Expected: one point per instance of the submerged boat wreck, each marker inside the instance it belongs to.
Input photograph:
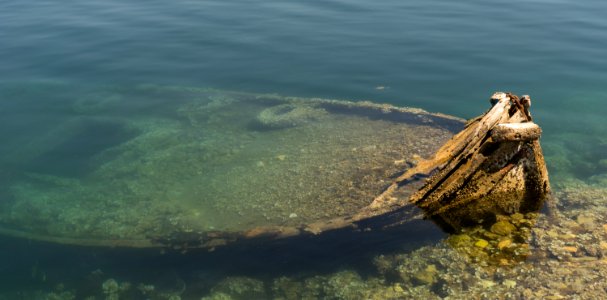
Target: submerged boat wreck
(217, 168)
(494, 166)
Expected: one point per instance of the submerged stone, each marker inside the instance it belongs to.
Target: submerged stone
(503, 228)
(517, 216)
(586, 221)
(501, 245)
(239, 288)
(481, 243)
(426, 276)
(459, 240)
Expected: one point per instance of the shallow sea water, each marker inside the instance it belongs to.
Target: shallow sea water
(109, 106)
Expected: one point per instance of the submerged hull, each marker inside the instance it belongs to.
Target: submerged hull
(157, 166)
(272, 168)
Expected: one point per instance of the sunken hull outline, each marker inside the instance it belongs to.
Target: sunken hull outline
(477, 174)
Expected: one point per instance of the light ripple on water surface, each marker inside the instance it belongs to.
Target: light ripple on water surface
(443, 56)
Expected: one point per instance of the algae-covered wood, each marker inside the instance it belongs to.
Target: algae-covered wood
(494, 166)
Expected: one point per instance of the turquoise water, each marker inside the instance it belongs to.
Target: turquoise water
(423, 53)
(88, 60)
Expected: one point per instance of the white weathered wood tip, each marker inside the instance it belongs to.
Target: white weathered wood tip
(505, 132)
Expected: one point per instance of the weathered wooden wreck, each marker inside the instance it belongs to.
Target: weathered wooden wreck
(493, 166)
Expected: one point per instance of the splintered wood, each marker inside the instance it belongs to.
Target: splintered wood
(494, 166)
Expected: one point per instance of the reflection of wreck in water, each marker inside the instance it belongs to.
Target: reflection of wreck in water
(275, 167)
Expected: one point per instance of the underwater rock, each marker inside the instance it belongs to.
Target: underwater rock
(110, 286)
(509, 283)
(286, 288)
(345, 285)
(459, 240)
(113, 289)
(462, 274)
(426, 276)
(236, 288)
(481, 243)
(570, 249)
(486, 284)
(289, 115)
(517, 217)
(586, 221)
(501, 245)
(502, 228)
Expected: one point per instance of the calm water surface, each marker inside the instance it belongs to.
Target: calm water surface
(442, 56)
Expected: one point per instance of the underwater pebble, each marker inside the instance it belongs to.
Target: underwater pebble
(481, 243)
(502, 228)
(239, 287)
(426, 276)
(568, 236)
(487, 284)
(400, 162)
(110, 286)
(509, 283)
(504, 243)
(517, 216)
(491, 235)
(586, 221)
(459, 240)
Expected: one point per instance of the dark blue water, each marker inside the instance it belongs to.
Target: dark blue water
(442, 56)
